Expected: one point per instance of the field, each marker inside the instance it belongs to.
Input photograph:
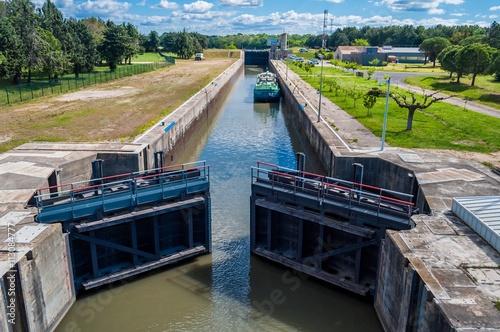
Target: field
(114, 111)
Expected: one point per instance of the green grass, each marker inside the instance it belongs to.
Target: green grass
(148, 57)
(441, 126)
(486, 90)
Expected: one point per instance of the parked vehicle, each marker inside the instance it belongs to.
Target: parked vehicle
(300, 59)
(199, 56)
(303, 50)
(313, 61)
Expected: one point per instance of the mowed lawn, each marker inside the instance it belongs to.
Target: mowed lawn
(486, 90)
(441, 126)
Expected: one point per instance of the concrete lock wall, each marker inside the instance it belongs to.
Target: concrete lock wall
(399, 283)
(188, 118)
(42, 284)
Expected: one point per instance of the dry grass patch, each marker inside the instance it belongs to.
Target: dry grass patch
(113, 111)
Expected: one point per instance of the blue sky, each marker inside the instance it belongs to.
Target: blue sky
(224, 17)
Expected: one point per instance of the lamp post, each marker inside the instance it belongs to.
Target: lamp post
(385, 112)
(320, 86)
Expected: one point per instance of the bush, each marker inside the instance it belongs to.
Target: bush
(376, 92)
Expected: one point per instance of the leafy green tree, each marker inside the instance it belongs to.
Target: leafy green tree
(370, 72)
(113, 45)
(82, 50)
(495, 65)
(449, 61)
(132, 46)
(360, 42)
(494, 35)
(369, 100)
(22, 16)
(184, 45)
(12, 48)
(432, 47)
(476, 59)
(153, 42)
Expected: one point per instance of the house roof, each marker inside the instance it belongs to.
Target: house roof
(350, 49)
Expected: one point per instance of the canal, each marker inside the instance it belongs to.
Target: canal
(229, 290)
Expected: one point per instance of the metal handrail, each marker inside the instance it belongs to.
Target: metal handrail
(324, 187)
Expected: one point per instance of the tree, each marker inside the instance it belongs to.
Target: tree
(22, 17)
(113, 46)
(414, 105)
(153, 42)
(495, 65)
(369, 100)
(184, 45)
(370, 72)
(12, 48)
(476, 59)
(494, 35)
(360, 42)
(449, 61)
(132, 46)
(354, 93)
(432, 47)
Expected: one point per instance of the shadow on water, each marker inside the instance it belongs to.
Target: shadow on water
(229, 290)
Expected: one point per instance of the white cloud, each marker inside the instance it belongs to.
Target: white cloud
(208, 16)
(165, 4)
(436, 11)
(142, 3)
(106, 7)
(241, 3)
(493, 16)
(457, 14)
(335, 1)
(197, 7)
(416, 5)
(495, 8)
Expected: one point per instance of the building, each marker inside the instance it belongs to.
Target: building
(405, 54)
(360, 54)
(365, 54)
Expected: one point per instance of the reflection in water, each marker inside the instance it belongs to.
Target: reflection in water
(228, 290)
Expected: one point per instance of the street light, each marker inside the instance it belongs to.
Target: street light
(386, 111)
(320, 85)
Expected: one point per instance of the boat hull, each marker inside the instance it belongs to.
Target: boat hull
(265, 96)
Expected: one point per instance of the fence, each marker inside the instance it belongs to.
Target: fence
(19, 93)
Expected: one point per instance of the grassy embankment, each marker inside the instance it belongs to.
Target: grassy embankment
(441, 126)
(486, 90)
(150, 96)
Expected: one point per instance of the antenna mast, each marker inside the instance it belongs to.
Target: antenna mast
(325, 22)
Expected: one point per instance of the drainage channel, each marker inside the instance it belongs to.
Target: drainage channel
(229, 290)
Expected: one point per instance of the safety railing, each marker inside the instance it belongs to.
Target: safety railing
(123, 191)
(328, 188)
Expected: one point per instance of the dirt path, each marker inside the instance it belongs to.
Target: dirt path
(113, 111)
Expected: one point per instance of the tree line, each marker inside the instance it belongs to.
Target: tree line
(40, 41)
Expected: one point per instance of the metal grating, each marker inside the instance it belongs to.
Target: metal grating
(482, 214)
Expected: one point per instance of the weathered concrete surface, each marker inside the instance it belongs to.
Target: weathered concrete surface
(439, 276)
(43, 288)
(41, 263)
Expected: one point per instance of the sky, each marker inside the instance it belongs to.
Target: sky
(226, 17)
